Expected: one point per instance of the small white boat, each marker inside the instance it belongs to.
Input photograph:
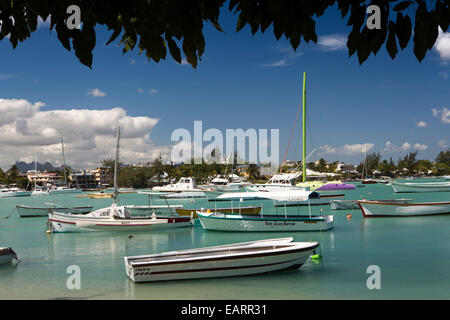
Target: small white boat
(64, 190)
(421, 186)
(121, 220)
(13, 192)
(27, 211)
(353, 204)
(343, 204)
(39, 191)
(274, 223)
(380, 208)
(66, 222)
(220, 261)
(446, 177)
(185, 184)
(7, 255)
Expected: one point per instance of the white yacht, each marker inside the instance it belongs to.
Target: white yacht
(64, 190)
(278, 182)
(13, 192)
(185, 184)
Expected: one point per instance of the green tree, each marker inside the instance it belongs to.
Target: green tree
(158, 27)
(408, 162)
(253, 172)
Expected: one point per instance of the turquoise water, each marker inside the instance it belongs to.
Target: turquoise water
(413, 255)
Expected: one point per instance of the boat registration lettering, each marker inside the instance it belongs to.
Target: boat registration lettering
(279, 224)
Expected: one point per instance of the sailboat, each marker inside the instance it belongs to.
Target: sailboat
(366, 181)
(118, 218)
(38, 191)
(64, 189)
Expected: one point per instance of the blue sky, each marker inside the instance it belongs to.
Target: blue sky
(246, 81)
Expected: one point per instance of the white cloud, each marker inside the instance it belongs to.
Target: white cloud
(140, 90)
(153, 91)
(389, 147)
(444, 114)
(421, 147)
(278, 63)
(442, 45)
(405, 147)
(89, 135)
(333, 42)
(421, 124)
(348, 149)
(442, 144)
(96, 93)
(132, 61)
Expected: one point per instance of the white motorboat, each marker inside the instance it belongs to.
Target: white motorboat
(64, 190)
(220, 261)
(257, 223)
(13, 192)
(446, 177)
(39, 191)
(421, 186)
(380, 208)
(7, 255)
(27, 211)
(278, 182)
(184, 184)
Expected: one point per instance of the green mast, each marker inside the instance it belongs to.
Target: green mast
(304, 127)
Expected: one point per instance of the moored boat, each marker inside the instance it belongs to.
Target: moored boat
(220, 261)
(380, 208)
(122, 221)
(275, 223)
(7, 255)
(232, 210)
(13, 192)
(421, 186)
(27, 211)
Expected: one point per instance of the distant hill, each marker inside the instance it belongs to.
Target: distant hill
(24, 167)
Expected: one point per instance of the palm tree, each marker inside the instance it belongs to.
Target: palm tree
(253, 172)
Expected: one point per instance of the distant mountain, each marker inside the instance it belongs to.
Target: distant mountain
(24, 167)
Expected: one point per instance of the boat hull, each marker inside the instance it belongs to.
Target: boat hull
(26, 212)
(15, 194)
(236, 210)
(133, 224)
(390, 209)
(7, 255)
(420, 187)
(220, 266)
(65, 191)
(264, 223)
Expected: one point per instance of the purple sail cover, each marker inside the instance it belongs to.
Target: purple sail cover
(336, 186)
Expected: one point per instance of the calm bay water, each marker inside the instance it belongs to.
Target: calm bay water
(412, 253)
